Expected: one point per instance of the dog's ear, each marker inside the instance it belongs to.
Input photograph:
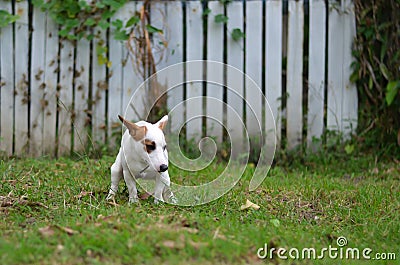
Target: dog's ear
(163, 122)
(137, 132)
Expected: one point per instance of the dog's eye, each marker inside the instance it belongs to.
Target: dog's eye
(165, 147)
(150, 147)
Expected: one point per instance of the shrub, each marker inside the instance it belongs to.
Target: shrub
(377, 71)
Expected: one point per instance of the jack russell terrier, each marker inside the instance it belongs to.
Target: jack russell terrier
(143, 154)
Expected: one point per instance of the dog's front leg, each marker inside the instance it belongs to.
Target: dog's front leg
(163, 190)
(167, 192)
(116, 175)
(131, 184)
(158, 190)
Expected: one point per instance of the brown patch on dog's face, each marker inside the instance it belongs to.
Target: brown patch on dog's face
(149, 146)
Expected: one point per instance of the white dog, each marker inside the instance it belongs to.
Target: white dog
(143, 154)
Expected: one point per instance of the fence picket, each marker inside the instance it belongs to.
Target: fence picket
(316, 72)
(115, 85)
(254, 67)
(131, 77)
(294, 84)
(174, 55)
(81, 95)
(235, 58)
(65, 100)
(215, 52)
(158, 20)
(50, 90)
(160, 44)
(99, 87)
(335, 64)
(37, 82)
(273, 65)
(6, 84)
(21, 78)
(349, 122)
(194, 51)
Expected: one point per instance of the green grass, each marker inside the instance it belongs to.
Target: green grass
(54, 212)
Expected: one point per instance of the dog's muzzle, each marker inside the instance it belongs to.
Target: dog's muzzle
(163, 168)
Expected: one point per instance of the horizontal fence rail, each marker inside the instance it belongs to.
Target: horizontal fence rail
(57, 99)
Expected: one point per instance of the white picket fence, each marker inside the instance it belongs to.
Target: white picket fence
(56, 98)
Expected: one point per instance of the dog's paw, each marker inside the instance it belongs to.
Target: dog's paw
(173, 200)
(133, 200)
(110, 196)
(157, 201)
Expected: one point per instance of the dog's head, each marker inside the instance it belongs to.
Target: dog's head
(151, 137)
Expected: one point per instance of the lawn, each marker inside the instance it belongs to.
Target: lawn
(54, 212)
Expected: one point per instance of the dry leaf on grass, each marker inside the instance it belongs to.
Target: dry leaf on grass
(49, 230)
(248, 205)
(59, 247)
(169, 244)
(198, 245)
(190, 230)
(46, 231)
(60, 165)
(107, 218)
(178, 244)
(67, 230)
(219, 235)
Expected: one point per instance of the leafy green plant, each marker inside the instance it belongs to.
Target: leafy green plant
(221, 18)
(237, 34)
(86, 19)
(392, 89)
(7, 18)
(377, 69)
(77, 19)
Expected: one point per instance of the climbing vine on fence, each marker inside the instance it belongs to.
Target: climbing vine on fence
(77, 19)
(7, 18)
(80, 19)
(236, 33)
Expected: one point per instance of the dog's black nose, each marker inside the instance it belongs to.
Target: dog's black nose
(163, 168)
